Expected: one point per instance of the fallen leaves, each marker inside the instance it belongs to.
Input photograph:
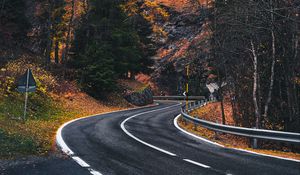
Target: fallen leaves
(212, 112)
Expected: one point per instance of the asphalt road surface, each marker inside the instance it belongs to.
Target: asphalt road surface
(146, 142)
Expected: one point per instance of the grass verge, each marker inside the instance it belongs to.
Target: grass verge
(55, 102)
(37, 135)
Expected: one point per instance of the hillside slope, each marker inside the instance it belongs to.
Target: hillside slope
(55, 102)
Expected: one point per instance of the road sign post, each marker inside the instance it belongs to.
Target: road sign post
(26, 96)
(26, 84)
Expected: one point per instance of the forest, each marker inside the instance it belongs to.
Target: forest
(251, 46)
(88, 40)
(256, 52)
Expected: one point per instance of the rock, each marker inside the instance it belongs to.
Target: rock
(140, 98)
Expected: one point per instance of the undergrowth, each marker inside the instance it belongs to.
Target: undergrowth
(13, 144)
(44, 113)
(54, 103)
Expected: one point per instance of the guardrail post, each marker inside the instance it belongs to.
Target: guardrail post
(195, 124)
(183, 119)
(217, 133)
(254, 142)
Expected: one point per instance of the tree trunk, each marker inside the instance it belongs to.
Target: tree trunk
(289, 66)
(255, 86)
(56, 56)
(269, 97)
(220, 93)
(297, 65)
(66, 50)
(222, 108)
(49, 36)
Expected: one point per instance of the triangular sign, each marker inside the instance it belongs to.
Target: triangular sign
(27, 78)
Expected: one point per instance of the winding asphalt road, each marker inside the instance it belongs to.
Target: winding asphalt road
(145, 141)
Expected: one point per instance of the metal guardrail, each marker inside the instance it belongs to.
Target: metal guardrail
(178, 97)
(241, 131)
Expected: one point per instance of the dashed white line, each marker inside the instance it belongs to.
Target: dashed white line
(141, 141)
(155, 147)
(93, 172)
(196, 163)
(81, 162)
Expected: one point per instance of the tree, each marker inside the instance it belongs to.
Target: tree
(258, 33)
(116, 44)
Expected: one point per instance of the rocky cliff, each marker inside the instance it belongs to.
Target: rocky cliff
(180, 31)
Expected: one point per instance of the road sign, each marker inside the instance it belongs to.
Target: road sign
(185, 93)
(27, 82)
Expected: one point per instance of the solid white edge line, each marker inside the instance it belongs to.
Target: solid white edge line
(267, 155)
(64, 147)
(191, 134)
(238, 149)
(141, 141)
(81, 162)
(60, 141)
(196, 163)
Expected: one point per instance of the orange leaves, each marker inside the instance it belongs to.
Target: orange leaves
(212, 112)
(151, 11)
(130, 7)
(42, 132)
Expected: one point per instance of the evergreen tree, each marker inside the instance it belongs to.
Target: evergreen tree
(107, 48)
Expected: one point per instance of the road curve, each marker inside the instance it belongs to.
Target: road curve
(145, 141)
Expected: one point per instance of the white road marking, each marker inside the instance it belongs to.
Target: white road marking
(267, 155)
(191, 134)
(60, 141)
(141, 141)
(93, 172)
(243, 150)
(196, 163)
(64, 147)
(81, 162)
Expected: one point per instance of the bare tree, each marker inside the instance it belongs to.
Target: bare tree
(255, 86)
(269, 97)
